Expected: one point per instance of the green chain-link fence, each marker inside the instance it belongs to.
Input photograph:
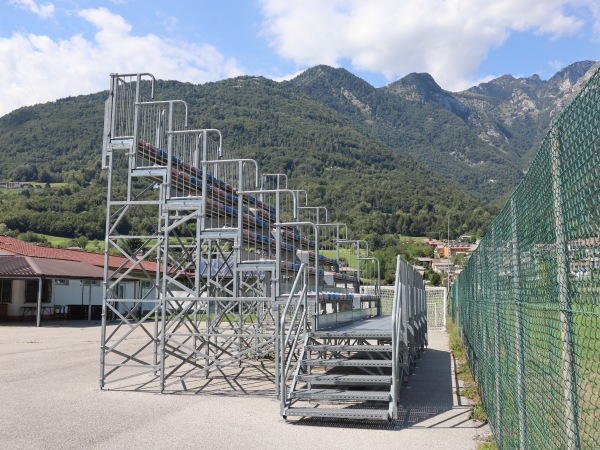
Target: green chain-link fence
(528, 302)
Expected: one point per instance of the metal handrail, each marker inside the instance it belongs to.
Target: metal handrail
(296, 330)
(409, 328)
(396, 324)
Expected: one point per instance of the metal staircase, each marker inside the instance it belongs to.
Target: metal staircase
(353, 371)
(344, 375)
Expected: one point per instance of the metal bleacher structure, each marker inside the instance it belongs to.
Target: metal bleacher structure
(236, 268)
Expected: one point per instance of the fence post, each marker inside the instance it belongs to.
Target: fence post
(521, 406)
(495, 277)
(445, 307)
(458, 308)
(566, 332)
(482, 315)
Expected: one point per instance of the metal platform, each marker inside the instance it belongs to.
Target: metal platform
(355, 370)
(372, 328)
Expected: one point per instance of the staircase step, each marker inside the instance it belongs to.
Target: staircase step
(341, 380)
(338, 394)
(379, 414)
(350, 334)
(348, 348)
(348, 362)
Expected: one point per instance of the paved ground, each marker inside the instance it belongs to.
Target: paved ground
(49, 398)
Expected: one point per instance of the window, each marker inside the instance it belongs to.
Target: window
(62, 281)
(5, 291)
(31, 291)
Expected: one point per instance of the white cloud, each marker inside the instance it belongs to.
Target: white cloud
(446, 38)
(44, 11)
(556, 65)
(38, 69)
(286, 77)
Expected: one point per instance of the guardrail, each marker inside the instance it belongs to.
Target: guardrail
(409, 326)
(292, 328)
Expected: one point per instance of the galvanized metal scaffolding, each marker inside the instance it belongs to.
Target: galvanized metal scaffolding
(217, 248)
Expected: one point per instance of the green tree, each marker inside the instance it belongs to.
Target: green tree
(435, 279)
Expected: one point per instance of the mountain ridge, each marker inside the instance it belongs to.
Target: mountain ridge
(394, 159)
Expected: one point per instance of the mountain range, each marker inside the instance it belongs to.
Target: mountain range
(483, 138)
(394, 159)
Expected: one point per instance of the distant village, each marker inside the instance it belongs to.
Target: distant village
(447, 252)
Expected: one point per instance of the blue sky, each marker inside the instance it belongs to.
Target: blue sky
(55, 48)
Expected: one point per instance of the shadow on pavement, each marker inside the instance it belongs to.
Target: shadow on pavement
(428, 401)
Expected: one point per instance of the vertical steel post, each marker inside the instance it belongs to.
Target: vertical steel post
(337, 246)
(158, 277)
(105, 290)
(316, 230)
(278, 268)
(134, 144)
(566, 332)
(396, 373)
(519, 329)
(38, 314)
(203, 205)
(358, 263)
(236, 282)
(204, 176)
(90, 301)
(276, 311)
(498, 422)
(404, 320)
(483, 315)
(198, 258)
(165, 268)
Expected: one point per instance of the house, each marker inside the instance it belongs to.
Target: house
(433, 243)
(44, 282)
(446, 251)
(442, 266)
(425, 262)
(44, 287)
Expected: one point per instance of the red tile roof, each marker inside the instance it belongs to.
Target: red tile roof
(27, 266)
(12, 246)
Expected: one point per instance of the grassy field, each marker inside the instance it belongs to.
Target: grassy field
(94, 245)
(417, 239)
(346, 254)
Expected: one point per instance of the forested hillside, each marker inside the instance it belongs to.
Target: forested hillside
(387, 161)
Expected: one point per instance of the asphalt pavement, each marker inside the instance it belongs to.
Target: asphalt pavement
(50, 398)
